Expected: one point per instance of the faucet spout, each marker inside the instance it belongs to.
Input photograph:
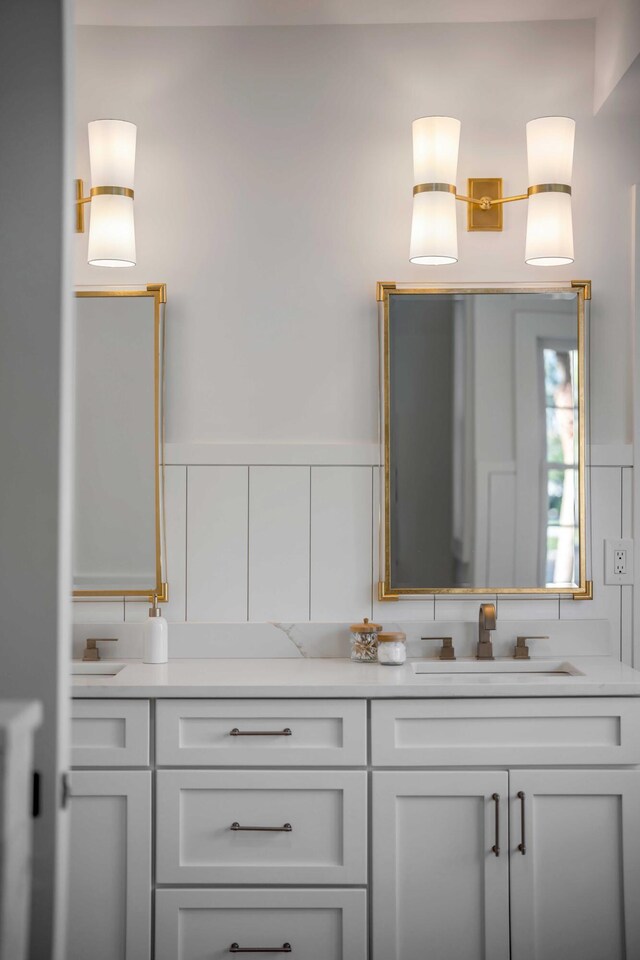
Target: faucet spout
(486, 623)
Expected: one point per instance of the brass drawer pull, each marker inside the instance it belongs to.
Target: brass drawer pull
(260, 733)
(236, 948)
(496, 847)
(287, 828)
(522, 846)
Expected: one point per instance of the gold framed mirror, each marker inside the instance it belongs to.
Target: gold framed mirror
(119, 536)
(484, 439)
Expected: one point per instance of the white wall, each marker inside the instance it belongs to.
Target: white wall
(273, 189)
(35, 413)
(617, 45)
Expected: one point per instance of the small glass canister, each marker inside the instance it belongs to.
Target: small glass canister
(392, 648)
(364, 641)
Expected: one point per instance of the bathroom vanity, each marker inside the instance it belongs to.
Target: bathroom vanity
(330, 810)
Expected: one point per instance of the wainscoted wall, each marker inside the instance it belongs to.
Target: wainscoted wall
(272, 335)
(296, 543)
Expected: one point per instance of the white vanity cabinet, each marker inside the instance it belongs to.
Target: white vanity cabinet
(575, 891)
(567, 875)
(439, 890)
(292, 822)
(497, 828)
(110, 856)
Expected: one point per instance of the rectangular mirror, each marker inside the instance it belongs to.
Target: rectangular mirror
(119, 440)
(484, 426)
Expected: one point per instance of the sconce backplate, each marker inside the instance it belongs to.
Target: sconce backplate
(477, 218)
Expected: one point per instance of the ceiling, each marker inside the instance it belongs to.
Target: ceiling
(281, 12)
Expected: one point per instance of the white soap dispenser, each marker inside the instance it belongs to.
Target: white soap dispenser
(156, 636)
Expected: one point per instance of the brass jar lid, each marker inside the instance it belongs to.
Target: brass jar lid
(390, 637)
(365, 627)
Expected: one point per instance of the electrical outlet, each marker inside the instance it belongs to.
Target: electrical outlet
(618, 562)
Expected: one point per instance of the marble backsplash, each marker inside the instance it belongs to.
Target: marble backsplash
(559, 638)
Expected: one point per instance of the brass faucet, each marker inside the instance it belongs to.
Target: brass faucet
(91, 652)
(486, 623)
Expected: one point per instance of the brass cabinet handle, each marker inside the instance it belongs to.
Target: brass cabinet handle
(287, 828)
(522, 846)
(496, 847)
(236, 948)
(260, 733)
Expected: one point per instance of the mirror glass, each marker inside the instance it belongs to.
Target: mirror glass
(484, 428)
(118, 473)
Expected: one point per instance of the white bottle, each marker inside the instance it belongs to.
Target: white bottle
(156, 636)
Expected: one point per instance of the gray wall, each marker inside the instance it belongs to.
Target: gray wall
(35, 327)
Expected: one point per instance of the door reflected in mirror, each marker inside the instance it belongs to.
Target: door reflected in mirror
(484, 437)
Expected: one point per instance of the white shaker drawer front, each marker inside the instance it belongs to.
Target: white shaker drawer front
(546, 731)
(263, 826)
(271, 733)
(307, 924)
(110, 733)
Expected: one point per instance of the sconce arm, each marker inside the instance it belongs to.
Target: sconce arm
(485, 203)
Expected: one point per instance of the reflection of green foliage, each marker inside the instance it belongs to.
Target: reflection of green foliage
(555, 489)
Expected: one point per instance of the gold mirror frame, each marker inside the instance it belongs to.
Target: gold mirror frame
(384, 291)
(158, 293)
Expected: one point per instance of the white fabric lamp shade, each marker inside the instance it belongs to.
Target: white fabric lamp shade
(112, 151)
(434, 235)
(549, 221)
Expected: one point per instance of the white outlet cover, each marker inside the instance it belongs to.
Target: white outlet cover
(610, 577)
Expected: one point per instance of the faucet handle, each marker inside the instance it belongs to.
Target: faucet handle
(447, 651)
(91, 651)
(521, 651)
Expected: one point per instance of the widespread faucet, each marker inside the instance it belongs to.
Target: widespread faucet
(486, 623)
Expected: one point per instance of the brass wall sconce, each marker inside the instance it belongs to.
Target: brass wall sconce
(434, 238)
(112, 152)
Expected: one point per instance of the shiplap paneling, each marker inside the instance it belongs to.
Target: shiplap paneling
(606, 521)
(341, 543)
(175, 496)
(279, 522)
(217, 527)
(267, 543)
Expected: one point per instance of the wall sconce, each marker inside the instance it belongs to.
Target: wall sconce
(434, 236)
(112, 154)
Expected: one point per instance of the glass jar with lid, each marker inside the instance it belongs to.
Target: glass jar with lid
(364, 641)
(392, 648)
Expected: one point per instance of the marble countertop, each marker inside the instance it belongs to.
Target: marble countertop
(324, 677)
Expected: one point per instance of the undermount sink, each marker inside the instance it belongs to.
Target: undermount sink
(104, 668)
(505, 669)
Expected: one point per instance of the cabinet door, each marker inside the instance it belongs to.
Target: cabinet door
(110, 865)
(575, 888)
(439, 890)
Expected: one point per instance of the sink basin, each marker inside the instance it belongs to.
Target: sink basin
(503, 669)
(103, 668)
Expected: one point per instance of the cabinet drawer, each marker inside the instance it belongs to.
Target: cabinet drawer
(546, 731)
(316, 924)
(110, 733)
(254, 733)
(313, 826)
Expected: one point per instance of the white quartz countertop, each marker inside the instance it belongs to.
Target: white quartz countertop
(319, 677)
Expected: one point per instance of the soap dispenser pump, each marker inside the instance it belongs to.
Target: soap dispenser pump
(156, 645)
